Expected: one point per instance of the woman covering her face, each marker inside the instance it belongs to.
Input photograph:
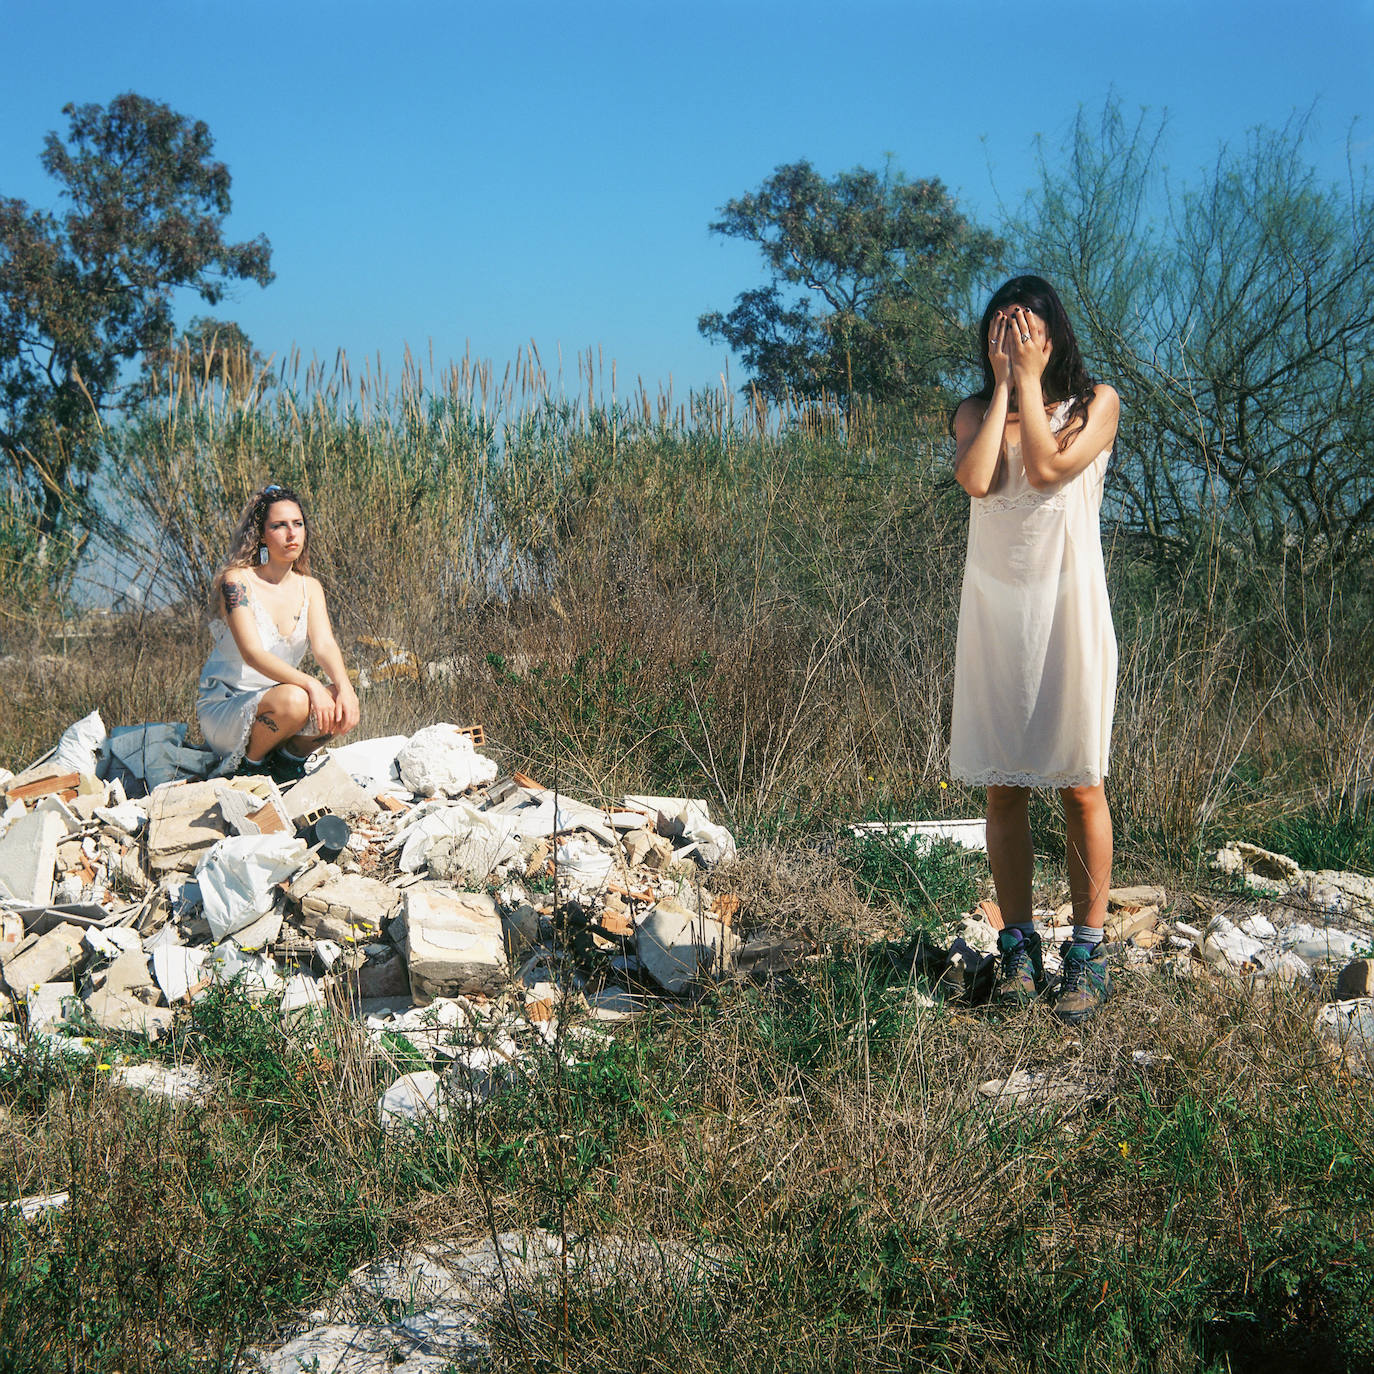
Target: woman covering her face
(1035, 663)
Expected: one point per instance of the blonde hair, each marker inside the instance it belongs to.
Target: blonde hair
(245, 544)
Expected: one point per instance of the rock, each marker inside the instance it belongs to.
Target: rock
(1259, 927)
(1346, 1029)
(184, 821)
(28, 856)
(676, 946)
(309, 880)
(1355, 887)
(1322, 944)
(392, 1348)
(49, 1003)
(130, 974)
(115, 1010)
(348, 907)
(57, 952)
(329, 788)
(300, 994)
(112, 942)
(1227, 948)
(454, 944)
(413, 1098)
(441, 760)
(1356, 980)
(1029, 1089)
(1140, 896)
(178, 1082)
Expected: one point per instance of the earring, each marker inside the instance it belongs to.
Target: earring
(262, 554)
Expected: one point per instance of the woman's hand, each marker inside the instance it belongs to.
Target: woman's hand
(999, 335)
(346, 700)
(1027, 343)
(323, 707)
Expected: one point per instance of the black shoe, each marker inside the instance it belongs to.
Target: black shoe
(284, 771)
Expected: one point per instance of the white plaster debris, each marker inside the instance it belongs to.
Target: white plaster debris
(176, 1082)
(35, 1206)
(413, 1099)
(442, 759)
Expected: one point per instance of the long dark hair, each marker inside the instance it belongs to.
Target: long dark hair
(1065, 377)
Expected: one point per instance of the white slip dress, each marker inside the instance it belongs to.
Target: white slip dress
(1035, 662)
(229, 690)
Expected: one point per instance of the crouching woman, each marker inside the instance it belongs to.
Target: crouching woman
(257, 710)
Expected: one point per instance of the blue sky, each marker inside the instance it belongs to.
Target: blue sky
(451, 173)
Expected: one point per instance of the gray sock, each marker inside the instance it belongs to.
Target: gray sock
(1092, 936)
(295, 758)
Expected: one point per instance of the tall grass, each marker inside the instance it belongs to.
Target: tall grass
(755, 604)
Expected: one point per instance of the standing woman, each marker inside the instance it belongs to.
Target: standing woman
(257, 710)
(1035, 665)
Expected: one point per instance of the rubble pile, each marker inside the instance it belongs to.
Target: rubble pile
(403, 880)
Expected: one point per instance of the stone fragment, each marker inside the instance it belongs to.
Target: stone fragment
(55, 953)
(771, 953)
(114, 1010)
(310, 879)
(329, 788)
(351, 903)
(28, 856)
(414, 1098)
(129, 973)
(1141, 895)
(1030, 1089)
(522, 929)
(1127, 923)
(454, 944)
(1346, 1029)
(179, 1082)
(49, 1003)
(1323, 944)
(30, 1207)
(1356, 980)
(1227, 948)
(184, 821)
(676, 946)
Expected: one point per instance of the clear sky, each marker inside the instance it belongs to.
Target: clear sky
(442, 173)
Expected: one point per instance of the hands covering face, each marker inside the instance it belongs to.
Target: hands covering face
(1018, 342)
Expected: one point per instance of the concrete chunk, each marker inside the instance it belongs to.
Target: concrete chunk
(114, 1010)
(184, 821)
(676, 946)
(454, 944)
(50, 956)
(346, 901)
(28, 855)
(328, 788)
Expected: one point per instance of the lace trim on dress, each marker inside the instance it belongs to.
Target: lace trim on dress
(1053, 499)
(995, 777)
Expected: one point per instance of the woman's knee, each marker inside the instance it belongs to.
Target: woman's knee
(1007, 803)
(1084, 803)
(287, 705)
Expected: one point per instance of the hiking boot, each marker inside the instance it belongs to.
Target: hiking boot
(1084, 984)
(1022, 976)
(284, 771)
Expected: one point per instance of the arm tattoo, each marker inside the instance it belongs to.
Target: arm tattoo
(265, 718)
(234, 596)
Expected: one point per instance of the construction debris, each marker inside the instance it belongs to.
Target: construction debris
(367, 885)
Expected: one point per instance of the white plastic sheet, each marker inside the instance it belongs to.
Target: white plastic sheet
(76, 750)
(238, 877)
(371, 763)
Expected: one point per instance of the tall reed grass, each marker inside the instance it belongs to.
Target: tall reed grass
(710, 595)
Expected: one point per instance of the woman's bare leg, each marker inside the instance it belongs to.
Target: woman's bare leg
(282, 710)
(1010, 855)
(1088, 822)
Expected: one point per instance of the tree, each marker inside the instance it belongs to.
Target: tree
(86, 291)
(869, 284)
(1235, 317)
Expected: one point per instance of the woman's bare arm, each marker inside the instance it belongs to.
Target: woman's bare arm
(327, 654)
(978, 431)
